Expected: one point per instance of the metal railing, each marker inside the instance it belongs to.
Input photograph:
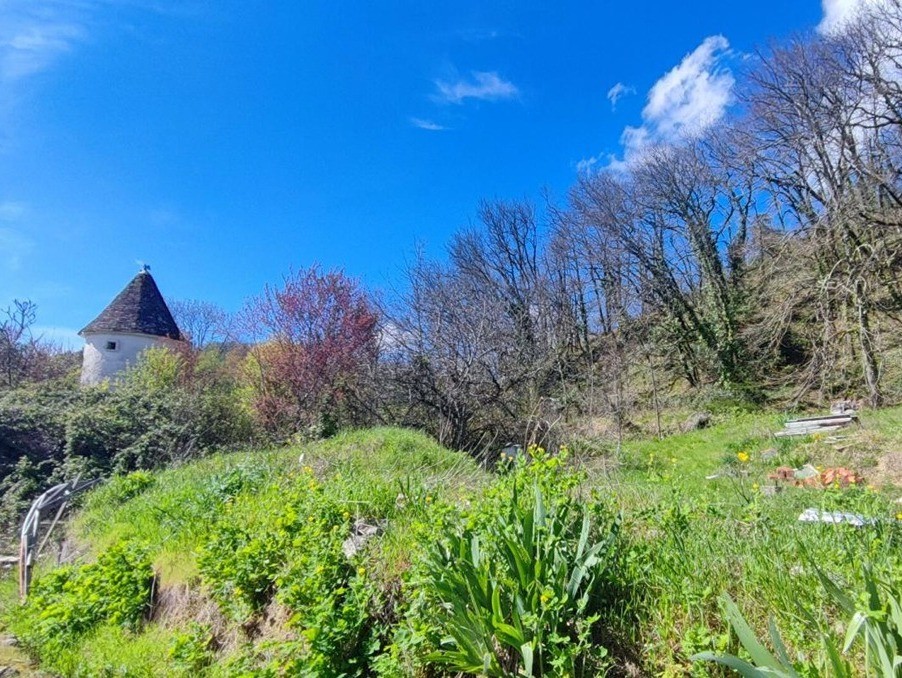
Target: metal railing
(57, 497)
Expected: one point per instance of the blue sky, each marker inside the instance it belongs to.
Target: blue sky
(226, 142)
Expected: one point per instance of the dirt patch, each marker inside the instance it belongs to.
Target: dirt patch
(889, 469)
(273, 624)
(14, 662)
(177, 605)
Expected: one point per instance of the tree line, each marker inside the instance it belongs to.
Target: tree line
(759, 258)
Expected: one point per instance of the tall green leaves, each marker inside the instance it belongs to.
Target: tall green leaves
(522, 595)
(878, 625)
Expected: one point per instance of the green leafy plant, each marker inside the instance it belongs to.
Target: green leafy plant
(68, 603)
(122, 488)
(522, 596)
(879, 626)
(192, 649)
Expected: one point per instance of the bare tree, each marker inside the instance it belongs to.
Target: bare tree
(825, 147)
(16, 340)
(477, 341)
(677, 225)
(203, 322)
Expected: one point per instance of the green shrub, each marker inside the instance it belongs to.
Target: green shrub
(519, 582)
(67, 603)
(524, 595)
(331, 603)
(192, 649)
(122, 488)
(286, 546)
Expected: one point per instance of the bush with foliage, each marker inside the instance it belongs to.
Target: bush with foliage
(315, 341)
(520, 583)
(168, 408)
(285, 546)
(67, 603)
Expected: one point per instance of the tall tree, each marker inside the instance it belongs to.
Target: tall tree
(825, 135)
(314, 336)
(16, 341)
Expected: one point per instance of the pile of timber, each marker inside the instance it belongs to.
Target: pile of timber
(811, 425)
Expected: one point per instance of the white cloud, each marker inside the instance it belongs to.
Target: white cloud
(685, 101)
(11, 210)
(484, 86)
(35, 34)
(617, 92)
(586, 165)
(839, 13)
(427, 125)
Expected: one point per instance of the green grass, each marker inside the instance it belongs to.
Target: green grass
(698, 453)
(112, 651)
(708, 528)
(174, 514)
(691, 538)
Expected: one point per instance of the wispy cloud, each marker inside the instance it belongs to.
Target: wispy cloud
(686, 100)
(840, 13)
(482, 86)
(35, 33)
(586, 165)
(479, 34)
(427, 125)
(14, 246)
(11, 210)
(617, 92)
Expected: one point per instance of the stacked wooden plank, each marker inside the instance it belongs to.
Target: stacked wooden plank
(811, 425)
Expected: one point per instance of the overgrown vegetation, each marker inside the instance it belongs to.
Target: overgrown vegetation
(571, 572)
(659, 323)
(166, 410)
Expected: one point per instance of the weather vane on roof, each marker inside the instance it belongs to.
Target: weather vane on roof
(145, 268)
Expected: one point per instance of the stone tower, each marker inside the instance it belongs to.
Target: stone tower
(135, 320)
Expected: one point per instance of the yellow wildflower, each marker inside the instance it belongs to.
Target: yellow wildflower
(743, 457)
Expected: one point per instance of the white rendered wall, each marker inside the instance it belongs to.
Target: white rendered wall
(100, 363)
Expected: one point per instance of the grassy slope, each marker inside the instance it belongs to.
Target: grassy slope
(12, 657)
(724, 534)
(695, 538)
(174, 514)
(366, 469)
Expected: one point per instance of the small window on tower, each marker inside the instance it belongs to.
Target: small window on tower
(112, 345)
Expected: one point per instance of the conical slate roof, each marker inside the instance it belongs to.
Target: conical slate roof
(138, 309)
